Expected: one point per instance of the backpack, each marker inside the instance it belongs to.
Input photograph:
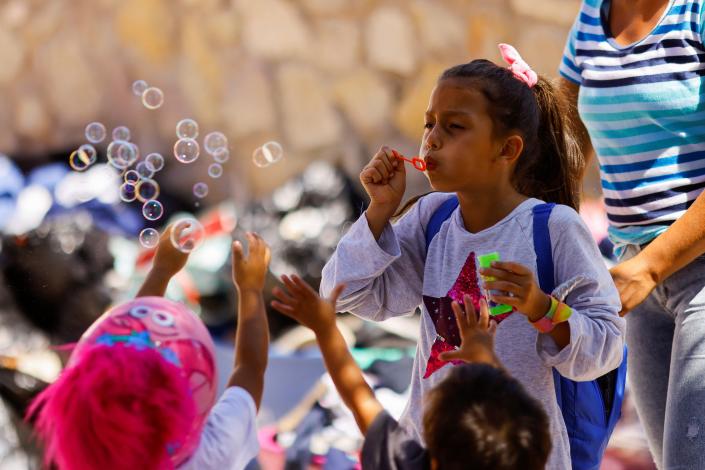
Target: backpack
(590, 409)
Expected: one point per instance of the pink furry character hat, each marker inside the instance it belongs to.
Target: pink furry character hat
(136, 391)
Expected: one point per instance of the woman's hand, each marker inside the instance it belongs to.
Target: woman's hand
(519, 288)
(634, 281)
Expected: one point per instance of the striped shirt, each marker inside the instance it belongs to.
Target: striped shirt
(644, 107)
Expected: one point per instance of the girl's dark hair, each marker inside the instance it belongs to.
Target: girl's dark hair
(551, 165)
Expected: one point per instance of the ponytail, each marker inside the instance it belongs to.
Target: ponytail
(554, 174)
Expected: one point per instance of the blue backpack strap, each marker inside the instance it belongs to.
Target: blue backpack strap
(438, 217)
(581, 403)
(542, 246)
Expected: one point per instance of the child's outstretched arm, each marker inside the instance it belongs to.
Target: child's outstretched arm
(252, 339)
(167, 262)
(300, 302)
(476, 334)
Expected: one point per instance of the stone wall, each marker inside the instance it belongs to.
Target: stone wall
(329, 79)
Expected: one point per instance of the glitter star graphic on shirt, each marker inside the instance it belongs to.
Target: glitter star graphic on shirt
(441, 313)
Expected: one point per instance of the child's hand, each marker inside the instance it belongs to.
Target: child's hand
(384, 179)
(520, 289)
(249, 272)
(168, 260)
(476, 335)
(300, 302)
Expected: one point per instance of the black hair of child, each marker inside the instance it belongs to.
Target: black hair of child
(479, 417)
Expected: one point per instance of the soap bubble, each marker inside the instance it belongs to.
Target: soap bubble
(143, 169)
(259, 159)
(131, 176)
(187, 129)
(128, 192)
(187, 234)
(200, 190)
(138, 87)
(149, 238)
(273, 151)
(154, 161)
(152, 98)
(147, 189)
(122, 154)
(152, 209)
(221, 155)
(82, 158)
(95, 132)
(186, 150)
(121, 133)
(215, 170)
(215, 141)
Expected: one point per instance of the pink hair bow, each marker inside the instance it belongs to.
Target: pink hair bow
(517, 65)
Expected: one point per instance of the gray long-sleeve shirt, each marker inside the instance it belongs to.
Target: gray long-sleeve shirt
(394, 275)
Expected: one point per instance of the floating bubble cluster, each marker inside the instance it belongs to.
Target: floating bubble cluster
(221, 155)
(128, 192)
(147, 189)
(268, 154)
(149, 238)
(215, 141)
(138, 87)
(152, 209)
(154, 161)
(121, 133)
(95, 132)
(187, 129)
(152, 98)
(131, 176)
(187, 234)
(200, 190)
(186, 150)
(83, 158)
(215, 170)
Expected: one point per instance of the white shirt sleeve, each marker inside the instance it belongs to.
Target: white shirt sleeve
(229, 438)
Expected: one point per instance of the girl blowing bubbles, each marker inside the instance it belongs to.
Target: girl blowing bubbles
(496, 139)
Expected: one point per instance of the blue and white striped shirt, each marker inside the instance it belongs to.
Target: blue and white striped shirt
(644, 107)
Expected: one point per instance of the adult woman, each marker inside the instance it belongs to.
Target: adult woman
(635, 70)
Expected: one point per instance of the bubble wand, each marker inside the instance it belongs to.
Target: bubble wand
(417, 162)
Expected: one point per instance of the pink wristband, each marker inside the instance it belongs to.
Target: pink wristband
(543, 324)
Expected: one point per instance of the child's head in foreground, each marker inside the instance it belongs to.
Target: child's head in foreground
(489, 128)
(135, 393)
(481, 418)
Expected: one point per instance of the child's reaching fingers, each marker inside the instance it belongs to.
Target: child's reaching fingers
(470, 314)
(291, 285)
(284, 296)
(336, 293)
(484, 321)
(303, 285)
(460, 318)
(287, 310)
(492, 328)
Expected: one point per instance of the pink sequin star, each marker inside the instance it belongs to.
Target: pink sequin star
(441, 313)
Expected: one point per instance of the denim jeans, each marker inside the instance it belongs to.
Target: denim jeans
(666, 340)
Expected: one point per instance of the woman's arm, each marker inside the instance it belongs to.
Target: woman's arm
(570, 91)
(671, 251)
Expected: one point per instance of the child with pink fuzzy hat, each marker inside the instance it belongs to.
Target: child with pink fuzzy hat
(139, 389)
